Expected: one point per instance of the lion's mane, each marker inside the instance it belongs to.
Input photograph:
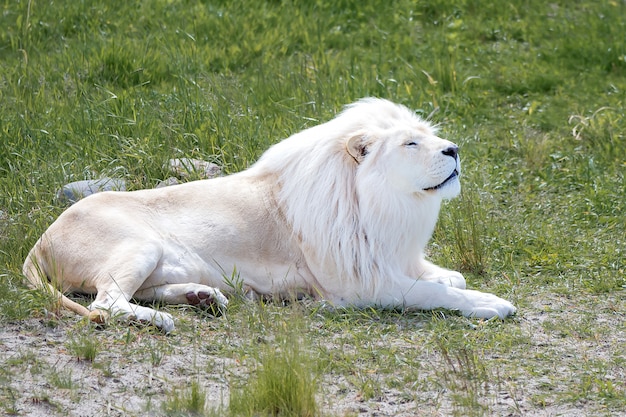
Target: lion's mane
(349, 220)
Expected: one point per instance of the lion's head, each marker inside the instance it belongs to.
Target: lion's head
(408, 155)
(363, 191)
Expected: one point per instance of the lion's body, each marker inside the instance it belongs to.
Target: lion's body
(341, 211)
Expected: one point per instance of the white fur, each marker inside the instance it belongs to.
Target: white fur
(342, 211)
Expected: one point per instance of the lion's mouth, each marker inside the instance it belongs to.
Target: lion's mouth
(452, 176)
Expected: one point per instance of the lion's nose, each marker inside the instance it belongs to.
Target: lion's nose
(452, 151)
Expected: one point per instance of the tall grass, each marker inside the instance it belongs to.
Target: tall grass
(283, 385)
(188, 401)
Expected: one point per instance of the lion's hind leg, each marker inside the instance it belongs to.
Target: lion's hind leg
(120, 277)
(190, 293)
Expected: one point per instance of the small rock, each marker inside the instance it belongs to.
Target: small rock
(76, 190)
(167, 182)
(184, 167)
(181, 167)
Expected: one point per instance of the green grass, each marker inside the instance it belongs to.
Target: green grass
(84, 345)
(283, 383)
(532, 91)
(188, 402)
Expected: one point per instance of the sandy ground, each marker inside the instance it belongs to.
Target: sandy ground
(124, 381)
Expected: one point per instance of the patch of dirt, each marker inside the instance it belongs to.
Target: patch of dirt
(135, 371)
(115, 384)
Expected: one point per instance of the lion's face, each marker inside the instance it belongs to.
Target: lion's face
(415, 161)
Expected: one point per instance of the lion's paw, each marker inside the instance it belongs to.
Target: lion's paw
(433, 273)
(453, 279)
(486, 306)
(207, 297)
(163, 321)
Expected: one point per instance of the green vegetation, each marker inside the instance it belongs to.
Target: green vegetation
(188, 402)
(284, 384)
(84, 344)
(532, 91)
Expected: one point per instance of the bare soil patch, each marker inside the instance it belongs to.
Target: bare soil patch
(135, 369)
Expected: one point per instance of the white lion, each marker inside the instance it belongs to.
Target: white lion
(341, 211)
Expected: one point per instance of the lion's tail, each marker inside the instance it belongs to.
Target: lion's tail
(37, 278)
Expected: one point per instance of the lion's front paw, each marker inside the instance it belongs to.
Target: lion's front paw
(449, 279)
(433, 273)
(485, 306)
(453, 279)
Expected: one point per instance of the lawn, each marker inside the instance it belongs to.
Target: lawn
(532, 91)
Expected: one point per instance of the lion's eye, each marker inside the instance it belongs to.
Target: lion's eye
(411, 144)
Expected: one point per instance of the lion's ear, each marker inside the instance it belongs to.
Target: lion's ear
(356, 147)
